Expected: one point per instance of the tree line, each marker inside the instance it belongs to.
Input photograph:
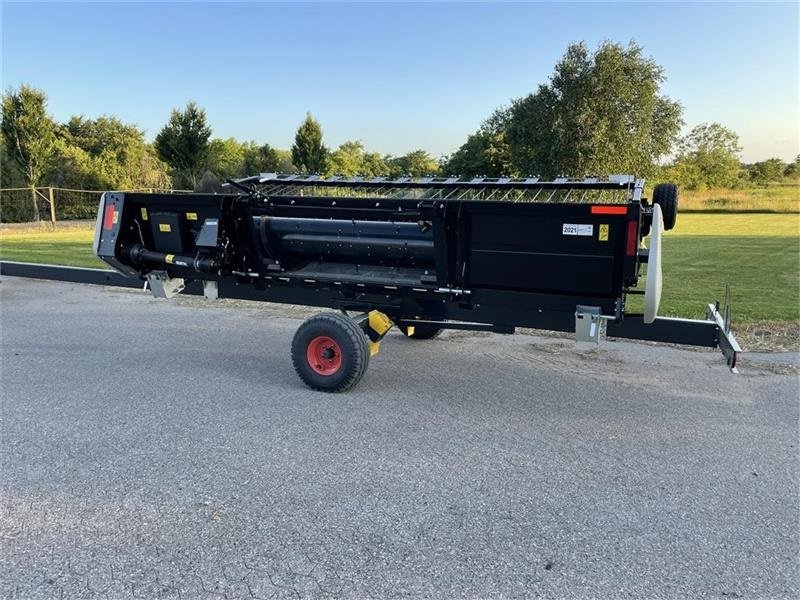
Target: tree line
(600, 112)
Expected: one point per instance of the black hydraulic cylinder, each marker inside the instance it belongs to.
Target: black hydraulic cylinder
(338, 240)
(140, 255)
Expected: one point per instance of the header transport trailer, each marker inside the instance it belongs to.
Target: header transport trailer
(423, 254)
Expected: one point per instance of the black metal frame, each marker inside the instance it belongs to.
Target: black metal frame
(710, 333)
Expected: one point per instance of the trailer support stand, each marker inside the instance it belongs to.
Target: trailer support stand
(375, 325)
(587, 323)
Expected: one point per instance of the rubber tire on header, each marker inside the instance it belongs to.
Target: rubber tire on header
(422, 332)
(666, 196)
(348, 337)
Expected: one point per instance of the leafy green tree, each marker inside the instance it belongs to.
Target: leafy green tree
(600, 113)
(308, 151)
(96, 136)
(416, 163)
(75, 168)
(767, 171)
(262, 159)
(10, 174)
(230, 159)
(183, 144)
(285, 164)
(484, 154)
(29, 135)
(347, 159)
(351, 159)
(151, 171)
(209, 184)
(792, 170)
(374, 164)
(226, 158)
(708, 156)
(105, 153)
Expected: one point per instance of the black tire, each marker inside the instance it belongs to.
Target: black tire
(666, 196)
(422, 332)
(353, 352)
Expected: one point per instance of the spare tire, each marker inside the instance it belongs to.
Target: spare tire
(666, 196)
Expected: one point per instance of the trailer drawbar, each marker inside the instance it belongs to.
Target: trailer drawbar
(422, 254)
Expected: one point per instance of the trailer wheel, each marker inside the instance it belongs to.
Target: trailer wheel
(422, 332)
(666, 196)
(330, 352)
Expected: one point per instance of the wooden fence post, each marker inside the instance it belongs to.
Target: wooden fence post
(52, 206)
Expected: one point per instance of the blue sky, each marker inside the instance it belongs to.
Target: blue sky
(398, 77)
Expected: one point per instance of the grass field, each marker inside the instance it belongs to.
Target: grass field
(757, 254)
(775, 198)
(67, 244)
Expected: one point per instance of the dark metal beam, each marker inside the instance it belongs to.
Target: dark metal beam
(70, 274)
(664, 329)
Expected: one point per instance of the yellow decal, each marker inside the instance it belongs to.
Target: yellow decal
(374, 347)
(410, 331)
(603, 236)
(144, 214)
(169, 259)
(164, 227)
(115, 218)
(191, 216)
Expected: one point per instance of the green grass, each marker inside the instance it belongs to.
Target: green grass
(62, 246)
(757, 254)
(783, 198)
(735, 225)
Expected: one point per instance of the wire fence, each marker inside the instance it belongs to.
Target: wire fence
(51, 204)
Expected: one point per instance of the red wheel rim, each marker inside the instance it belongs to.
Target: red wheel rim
(324, 355)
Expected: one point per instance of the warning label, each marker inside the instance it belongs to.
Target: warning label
(575, 229)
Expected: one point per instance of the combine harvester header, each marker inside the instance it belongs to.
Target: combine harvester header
(422, 254)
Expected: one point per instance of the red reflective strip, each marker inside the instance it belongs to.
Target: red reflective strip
(108, 219)
(609, 210)
(633, 231)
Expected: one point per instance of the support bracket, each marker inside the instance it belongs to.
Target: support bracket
(164, 286)
(587, 323)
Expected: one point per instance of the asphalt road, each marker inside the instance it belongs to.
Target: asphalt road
(159, 449)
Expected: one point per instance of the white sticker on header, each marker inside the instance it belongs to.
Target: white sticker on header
(575, 229)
